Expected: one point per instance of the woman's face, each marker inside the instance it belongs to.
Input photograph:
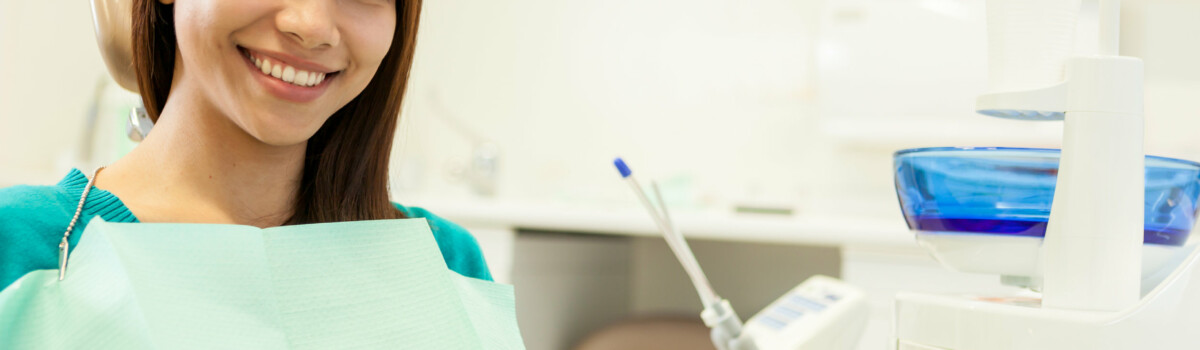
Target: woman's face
(279, 68)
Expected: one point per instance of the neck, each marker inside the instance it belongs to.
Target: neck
(198, 166)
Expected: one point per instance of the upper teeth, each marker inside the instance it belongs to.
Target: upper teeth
(287, 73)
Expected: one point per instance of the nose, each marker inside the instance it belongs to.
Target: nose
(311, 23)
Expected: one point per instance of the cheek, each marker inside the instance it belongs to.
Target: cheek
(378, 45)
(369, 47)
(200, 24)
(203, 33)
(189, 29)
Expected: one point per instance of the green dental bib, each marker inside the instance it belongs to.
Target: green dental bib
(348, 285)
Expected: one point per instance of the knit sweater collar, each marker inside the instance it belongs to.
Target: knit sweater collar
(99, 202)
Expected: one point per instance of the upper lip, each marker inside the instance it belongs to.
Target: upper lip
(290, 60)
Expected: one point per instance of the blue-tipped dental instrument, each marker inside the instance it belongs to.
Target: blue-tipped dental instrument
(717, 314)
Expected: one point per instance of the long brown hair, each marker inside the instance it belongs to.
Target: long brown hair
(345, 176)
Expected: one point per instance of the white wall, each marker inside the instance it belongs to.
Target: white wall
(49, 67)
(797, 101)
(693, 93)
(1164, 34)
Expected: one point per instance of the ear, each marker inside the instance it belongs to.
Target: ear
(114, 36)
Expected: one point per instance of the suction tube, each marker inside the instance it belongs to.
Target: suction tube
(672, 235)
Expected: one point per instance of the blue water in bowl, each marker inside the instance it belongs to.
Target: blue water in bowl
(1159, 235)
(1008, 191)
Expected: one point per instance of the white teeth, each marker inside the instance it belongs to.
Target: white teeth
(288, 73)
(301, 78)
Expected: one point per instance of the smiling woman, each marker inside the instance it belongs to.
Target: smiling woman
(348, 119)
(266, 113)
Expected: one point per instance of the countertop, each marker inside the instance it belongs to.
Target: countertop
(822, 229)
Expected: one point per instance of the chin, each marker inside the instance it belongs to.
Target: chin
(284, 134)
(280, 140)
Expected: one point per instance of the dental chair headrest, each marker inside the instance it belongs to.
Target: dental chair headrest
(114, 34)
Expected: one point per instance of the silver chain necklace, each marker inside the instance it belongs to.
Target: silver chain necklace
(64, 247)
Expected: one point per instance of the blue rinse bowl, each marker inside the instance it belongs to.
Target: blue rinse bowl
(1008, 191)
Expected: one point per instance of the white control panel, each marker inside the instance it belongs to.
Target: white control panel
(820, 313)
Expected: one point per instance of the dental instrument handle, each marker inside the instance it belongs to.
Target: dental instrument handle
(726, 327)
(718, 315)
(682, 250)
(677, 245)
(674, 240)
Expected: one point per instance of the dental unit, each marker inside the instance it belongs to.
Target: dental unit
(1095, 235)
(1114, 270)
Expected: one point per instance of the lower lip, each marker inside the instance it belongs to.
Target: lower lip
(285, 90)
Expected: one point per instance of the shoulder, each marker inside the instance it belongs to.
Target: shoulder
(31, 220)
(25, 208)
(26, 198)
(459, 248)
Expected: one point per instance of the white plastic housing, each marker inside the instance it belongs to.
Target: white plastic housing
(822, 313)
(1093, 240)
(1091, 256)
(1165, 319)
(1019, 256)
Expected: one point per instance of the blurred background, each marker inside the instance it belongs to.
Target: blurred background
(769, 124)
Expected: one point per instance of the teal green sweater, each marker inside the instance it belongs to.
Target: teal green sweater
(33, 218)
